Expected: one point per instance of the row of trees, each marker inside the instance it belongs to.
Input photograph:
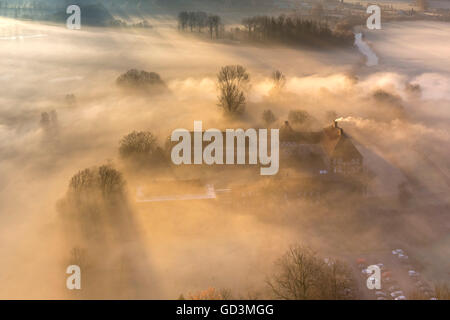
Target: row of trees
(294, 30)
(300, 274)
(49, 121)
(233, 83)
(199, 20)
(142, 81)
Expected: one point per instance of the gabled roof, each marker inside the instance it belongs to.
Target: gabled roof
(333, 140)
(345, 149)
(338, 145)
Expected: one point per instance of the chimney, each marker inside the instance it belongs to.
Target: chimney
(340, 130)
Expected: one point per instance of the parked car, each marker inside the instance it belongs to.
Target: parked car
(402, 256)
(380, 294)
(365, 271)
(397, 251)
(382, 298)
(396, 294)
(400, 298)
(413, 273)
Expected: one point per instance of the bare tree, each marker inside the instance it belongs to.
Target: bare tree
(248, 23)
(141, 147)
(233, 81)
(95, 214)
(142, 142)
(183, 18)
(213, 23)
(191, 20)
(279, 81)
(298, 117)
(297, 274)
(201, 19)
(302, 275)
(83, 180)
(338, 281)
(49, 121)
(110, 181)
(210, 23)
(105, 179)
(216, 20)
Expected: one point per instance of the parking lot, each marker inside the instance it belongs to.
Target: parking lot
(400, 277)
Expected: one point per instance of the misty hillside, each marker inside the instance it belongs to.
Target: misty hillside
(143, 6)
(104, 12)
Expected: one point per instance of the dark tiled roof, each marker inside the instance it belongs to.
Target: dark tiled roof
(301, 137)
(334, 141)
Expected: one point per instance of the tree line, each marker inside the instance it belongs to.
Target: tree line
(199, 20)
(300, 274)
(295, 30)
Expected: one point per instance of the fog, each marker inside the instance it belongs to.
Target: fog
(185, 247)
